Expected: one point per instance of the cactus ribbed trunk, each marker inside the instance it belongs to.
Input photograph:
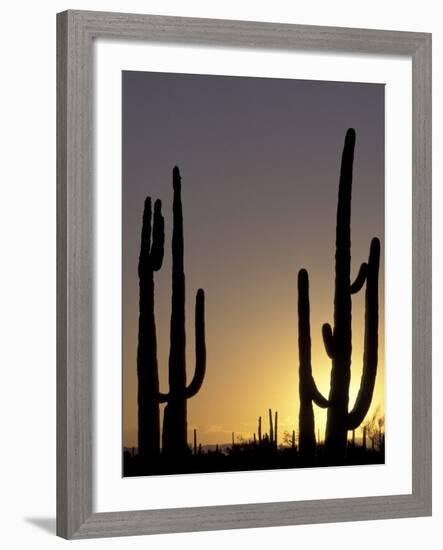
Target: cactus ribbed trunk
(308, 391)
(337, 429)
(306, 437)
(259, 430)
(150, 260)
(175, 419)
(174, 442)
(147, 369)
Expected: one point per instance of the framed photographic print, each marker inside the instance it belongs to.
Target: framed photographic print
(244, 274)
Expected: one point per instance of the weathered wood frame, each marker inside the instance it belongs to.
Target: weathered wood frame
(76, 31)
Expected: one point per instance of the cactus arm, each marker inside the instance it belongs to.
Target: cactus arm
(370, 354)
(317, 397)
(158, 237)
(143, 259)
(200, 346)
(328, 339)
(305, 369)
(163, 397)
(360, 279)
(308, 391)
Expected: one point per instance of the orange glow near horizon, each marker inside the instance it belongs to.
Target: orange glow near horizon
(252, 370)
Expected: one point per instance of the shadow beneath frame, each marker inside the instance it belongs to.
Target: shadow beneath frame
(45, 524)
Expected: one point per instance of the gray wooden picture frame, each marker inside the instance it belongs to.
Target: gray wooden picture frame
(76, 32)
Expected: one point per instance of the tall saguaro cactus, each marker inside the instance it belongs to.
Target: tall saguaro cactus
(338, 340)
(150, 260)
(174, 440)
(308, 391)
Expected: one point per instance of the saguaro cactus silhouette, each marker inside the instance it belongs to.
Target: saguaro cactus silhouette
(150, 260)
(271, 428)
(174, 440)
(338, 341)
(308, 391)
(276, 430)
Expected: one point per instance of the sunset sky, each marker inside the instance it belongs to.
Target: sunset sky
(260, 161)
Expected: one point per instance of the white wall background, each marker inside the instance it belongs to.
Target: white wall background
(27, 287)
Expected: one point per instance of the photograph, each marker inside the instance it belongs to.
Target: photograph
(219, 315)
(253, 273)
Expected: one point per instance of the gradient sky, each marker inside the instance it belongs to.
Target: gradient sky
(260, 161)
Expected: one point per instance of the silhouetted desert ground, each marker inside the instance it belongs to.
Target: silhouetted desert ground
(245, 457)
